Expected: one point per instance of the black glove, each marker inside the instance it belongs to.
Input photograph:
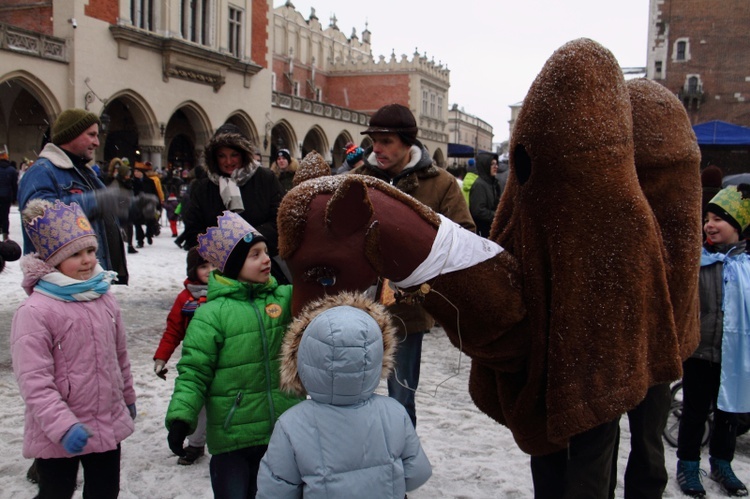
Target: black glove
(178, 432)
(144, 208)
(111, 201)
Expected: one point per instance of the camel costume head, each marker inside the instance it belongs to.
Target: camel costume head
(584, 297)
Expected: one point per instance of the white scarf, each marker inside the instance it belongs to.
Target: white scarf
(454, 248)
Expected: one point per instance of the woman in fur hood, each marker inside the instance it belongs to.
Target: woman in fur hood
(234, 181)
(337, 351)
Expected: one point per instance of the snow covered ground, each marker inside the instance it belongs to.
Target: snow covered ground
(472, 456)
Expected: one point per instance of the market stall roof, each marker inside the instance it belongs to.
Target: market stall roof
(721, 133)
(460, 151)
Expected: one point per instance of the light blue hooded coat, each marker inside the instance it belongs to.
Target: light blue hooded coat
(345, 441)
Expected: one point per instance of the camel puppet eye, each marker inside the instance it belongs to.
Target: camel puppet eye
(325, 276)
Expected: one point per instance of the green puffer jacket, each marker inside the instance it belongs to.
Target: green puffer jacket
(230, 360)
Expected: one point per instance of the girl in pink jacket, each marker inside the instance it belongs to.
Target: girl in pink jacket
(70, 357)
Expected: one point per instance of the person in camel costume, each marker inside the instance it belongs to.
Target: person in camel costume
(585, 295)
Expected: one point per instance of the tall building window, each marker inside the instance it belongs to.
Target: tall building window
(196, 20)
(235, 32)
(440, 106)
(142, 14)
(692, 86)
(424, 101)
(295, 89)
(657, 69)
(273, 81)
(432, 105)
(681, 50)
(319, 94)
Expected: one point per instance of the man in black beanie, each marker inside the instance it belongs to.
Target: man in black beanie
(63, 172)
(400, 159)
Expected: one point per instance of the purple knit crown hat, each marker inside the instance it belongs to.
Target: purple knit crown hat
(218, 243)
(59, 231)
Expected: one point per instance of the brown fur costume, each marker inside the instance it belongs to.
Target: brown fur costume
(594, 278)
(667, 160)
(585, 255)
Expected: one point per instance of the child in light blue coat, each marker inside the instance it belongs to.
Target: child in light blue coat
(345, 440)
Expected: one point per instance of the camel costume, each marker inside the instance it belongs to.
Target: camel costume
(590, 297)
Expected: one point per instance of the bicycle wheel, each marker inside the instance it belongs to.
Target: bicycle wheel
(672, 429)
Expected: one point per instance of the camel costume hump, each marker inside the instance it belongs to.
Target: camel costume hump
(667, 160)
(591, 257)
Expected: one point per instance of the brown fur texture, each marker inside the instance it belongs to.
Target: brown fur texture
(591, 258)
(667, 160)
(293, 210)
(312, 166)
(289, 378)
(575, 320)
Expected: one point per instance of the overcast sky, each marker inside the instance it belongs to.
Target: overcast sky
(493, 48)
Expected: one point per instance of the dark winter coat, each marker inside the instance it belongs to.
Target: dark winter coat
(170, 205)
(484, 195)
(8, 181)
(230, 362)
(434, 187)
(711, 303)
(261, 195)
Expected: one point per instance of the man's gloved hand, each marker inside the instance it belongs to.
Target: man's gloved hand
(178, 432)
(159, 368)
(111, 201)
(144, 207)
(75, 438)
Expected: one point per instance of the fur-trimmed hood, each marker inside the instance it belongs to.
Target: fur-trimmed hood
(233, 140)
(338, 349)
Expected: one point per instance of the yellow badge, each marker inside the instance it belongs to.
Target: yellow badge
(273, 310)
(83, 223)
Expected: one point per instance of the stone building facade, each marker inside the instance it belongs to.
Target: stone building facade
(164, 75)
(701, 52)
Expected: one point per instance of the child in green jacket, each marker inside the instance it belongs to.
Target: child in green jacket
(230, 358)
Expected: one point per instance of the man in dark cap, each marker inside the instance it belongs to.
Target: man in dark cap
(63, 172)
(400, 159)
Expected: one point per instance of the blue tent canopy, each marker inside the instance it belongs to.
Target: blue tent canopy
(460, 151)
(721, 133)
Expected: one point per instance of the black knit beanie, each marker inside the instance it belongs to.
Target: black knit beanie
(194, 260)
(236, 258)
(70, 124)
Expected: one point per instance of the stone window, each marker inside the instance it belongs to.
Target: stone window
(682, 50)
(142, 14)
(196, 17)
(235, 44)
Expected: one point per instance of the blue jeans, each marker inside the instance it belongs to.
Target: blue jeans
(234, 474)
(406, 372)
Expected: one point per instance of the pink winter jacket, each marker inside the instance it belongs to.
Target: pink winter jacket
(71, 363)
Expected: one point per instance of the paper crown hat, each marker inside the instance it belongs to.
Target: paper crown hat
(222, 243)
(731, 205)
(58, 230)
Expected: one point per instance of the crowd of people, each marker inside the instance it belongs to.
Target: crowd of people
(256, 386)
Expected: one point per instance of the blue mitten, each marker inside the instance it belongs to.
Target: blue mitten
(75, 438)
(132, 410)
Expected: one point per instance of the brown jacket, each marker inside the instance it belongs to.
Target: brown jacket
(436, 188)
